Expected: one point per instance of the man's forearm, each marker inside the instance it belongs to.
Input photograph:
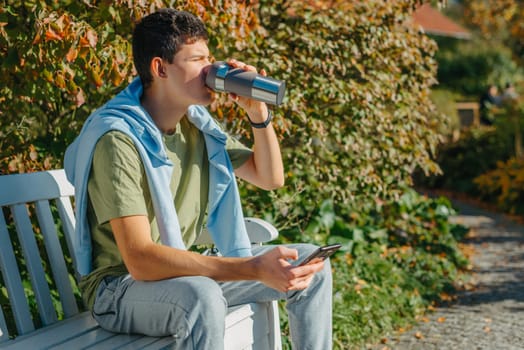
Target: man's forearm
(148, 261)
(267, 166)
(267, 157)
(158, 262)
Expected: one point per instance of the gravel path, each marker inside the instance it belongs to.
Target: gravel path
(490, 315)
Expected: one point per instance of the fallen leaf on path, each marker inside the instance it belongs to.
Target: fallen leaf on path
(472, 233)
(447, 297)
(470, 286)
(419, 335)
(441, 319)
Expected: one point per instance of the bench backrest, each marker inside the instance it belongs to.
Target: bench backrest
(36, 223)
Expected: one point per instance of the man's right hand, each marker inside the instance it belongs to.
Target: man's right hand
(275, 271)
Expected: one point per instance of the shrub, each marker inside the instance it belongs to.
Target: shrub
(478, 150)
(397, 258)
(504, 186)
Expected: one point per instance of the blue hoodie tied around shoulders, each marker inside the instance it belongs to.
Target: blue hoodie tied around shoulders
(124, 113)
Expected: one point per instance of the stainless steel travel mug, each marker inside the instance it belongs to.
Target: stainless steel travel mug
(223, 78)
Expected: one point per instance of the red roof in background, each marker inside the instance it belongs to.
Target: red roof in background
(434, 22)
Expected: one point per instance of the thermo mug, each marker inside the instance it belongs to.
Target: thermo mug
(221, 77)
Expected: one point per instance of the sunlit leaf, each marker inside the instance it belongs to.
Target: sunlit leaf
(51, 35)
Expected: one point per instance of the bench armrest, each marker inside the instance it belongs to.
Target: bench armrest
(258, 230)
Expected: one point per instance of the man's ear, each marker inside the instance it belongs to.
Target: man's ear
(158, 69)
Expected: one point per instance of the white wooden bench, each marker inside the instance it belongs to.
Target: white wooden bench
(36, 227)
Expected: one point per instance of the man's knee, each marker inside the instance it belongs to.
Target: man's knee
(185, 305)
(196, 311)
(208, 304)
(208, 311)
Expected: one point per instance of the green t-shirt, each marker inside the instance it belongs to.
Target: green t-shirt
(117, 187)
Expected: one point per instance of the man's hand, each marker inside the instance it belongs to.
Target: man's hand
(276, 272)
(256, 110)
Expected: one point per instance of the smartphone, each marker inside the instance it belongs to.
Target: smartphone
(322, 253)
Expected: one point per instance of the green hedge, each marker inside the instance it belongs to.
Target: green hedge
(357, 121)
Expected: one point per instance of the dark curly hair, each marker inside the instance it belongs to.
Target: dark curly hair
(161, 34)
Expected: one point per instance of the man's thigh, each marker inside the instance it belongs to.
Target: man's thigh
(167, 307)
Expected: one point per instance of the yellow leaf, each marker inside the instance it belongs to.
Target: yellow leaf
(60, 81)
(115, 75)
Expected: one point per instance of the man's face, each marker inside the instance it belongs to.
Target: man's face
(187, 74)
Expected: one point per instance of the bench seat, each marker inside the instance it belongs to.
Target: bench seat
(83, 332)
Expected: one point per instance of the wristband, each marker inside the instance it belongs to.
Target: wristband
(264, 124)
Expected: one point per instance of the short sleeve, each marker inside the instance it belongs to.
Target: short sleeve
(116, 182)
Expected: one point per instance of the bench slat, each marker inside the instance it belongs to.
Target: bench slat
(143, 343)
(4, 334)
(56, 258)
(118, 341)
(88, 339)
(67, 217)
(54, 334)
(11, 276)
(24, 188)
(34, 264)
(161, 343)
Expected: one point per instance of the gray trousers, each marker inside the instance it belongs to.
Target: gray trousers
(193, 309)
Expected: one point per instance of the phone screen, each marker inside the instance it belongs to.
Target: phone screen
(322, 253)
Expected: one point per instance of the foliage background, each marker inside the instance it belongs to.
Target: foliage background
(486, 162)
(357, 121)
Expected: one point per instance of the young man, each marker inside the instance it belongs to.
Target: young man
(148, 167)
